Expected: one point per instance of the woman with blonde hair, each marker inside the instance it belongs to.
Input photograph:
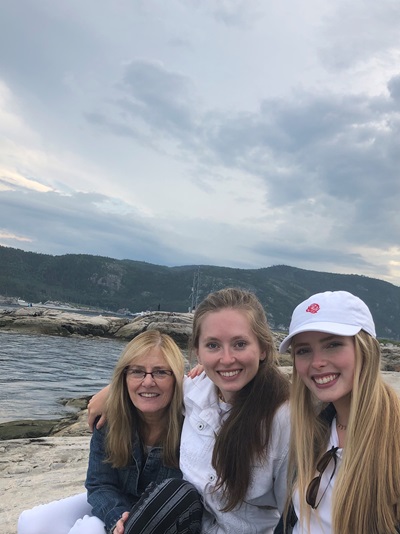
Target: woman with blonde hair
(344, 463)
(136, 451)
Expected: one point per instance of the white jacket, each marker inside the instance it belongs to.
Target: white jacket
(266, 496)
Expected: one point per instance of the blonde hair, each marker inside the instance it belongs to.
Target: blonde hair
(366, 494)
(248, 426)
(123, 417)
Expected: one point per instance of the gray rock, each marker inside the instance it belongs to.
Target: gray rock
(26, 428)
(55, 322)
(74, 424)
(177, 325)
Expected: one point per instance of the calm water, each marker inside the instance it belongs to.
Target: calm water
(36, 371)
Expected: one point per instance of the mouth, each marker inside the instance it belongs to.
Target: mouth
(326, 379)
(229, 374)
(148, 395)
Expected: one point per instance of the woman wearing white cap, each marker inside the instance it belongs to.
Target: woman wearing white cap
(344, 466)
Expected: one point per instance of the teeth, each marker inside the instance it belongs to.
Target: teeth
(148, 395)
(229, 373)
(325, 379)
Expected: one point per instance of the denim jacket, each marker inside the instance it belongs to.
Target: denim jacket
(112, 491)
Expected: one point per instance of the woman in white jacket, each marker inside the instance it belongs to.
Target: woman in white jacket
(235, 436)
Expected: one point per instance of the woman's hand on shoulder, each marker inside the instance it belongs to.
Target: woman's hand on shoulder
(119, 527)
(196, 371)
(97, 406)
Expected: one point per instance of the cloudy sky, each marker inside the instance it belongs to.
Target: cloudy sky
(238, 133)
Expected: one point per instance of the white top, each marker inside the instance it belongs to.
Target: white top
(260, 511)
(321, 518)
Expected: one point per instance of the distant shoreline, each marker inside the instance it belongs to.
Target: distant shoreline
(51, 321)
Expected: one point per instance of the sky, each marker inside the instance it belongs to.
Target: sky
(237, 133)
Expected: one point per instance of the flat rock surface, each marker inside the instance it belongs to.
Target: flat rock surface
(37, 470)
(56, 322)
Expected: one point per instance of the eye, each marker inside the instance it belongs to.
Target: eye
(241, 344)
(212, 345)
(302, 351)
(334, 344)
(162, 373)
(135, 372)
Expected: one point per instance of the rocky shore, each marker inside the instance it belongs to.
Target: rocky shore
(46, 460)
(39, 469)
(38, 320)
(74, 422)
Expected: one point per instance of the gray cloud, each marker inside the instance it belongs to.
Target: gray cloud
(237, 13)
(60, 224)
(310, 255)
(199, 115)
(354, 31)
(339, 151)
(159, 97)
(394, 88)
(42, 46)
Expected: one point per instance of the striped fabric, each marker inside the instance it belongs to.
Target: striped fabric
(172, 507)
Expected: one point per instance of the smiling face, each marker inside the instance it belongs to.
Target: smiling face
(326, 364)
(229, 350)
(151, 397)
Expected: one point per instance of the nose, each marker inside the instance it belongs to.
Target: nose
(148, 381)
(318, 359)
(227, 357)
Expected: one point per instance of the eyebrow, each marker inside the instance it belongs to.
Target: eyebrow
(235, 338)
(142, 367)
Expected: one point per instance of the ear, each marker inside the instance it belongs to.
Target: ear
(263, 355)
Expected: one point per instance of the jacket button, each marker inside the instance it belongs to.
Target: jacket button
(211, 478)
(200, 426)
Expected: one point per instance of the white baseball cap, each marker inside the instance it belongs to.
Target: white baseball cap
(333, 312)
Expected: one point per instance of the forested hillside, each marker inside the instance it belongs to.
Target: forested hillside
(137, 286)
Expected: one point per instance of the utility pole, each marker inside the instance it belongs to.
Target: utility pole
(195, 290)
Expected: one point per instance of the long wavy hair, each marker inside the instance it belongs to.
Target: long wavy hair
(248, 425)
(124, 419)
(366, 495)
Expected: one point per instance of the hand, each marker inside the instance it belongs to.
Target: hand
(196, 371)
(97, 406)
(119, 527)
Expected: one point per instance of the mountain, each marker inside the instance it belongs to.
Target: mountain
(136, 286)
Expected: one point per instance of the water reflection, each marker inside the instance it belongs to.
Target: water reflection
(38, 370)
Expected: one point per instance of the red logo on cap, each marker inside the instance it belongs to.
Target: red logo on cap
(313, 308)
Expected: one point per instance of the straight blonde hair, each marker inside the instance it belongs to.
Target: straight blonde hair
(366, 495)
(124, 419)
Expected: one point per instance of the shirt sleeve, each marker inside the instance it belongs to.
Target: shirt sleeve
(103, 484)
(281, 437)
